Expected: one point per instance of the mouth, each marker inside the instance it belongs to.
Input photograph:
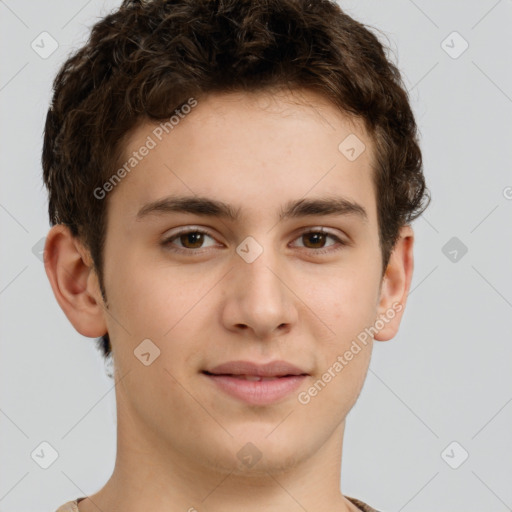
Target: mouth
(256, 384)
(255, 378)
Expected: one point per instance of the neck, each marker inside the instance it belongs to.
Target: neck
(147, 477)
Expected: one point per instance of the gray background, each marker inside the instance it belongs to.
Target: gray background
(445, 377)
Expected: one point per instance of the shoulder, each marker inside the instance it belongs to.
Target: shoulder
(70, 506)
(361, 505)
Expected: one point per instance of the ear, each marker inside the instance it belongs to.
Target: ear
(74, 282)
(395, 285)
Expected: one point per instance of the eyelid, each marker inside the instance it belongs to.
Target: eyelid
(187, 229)
(319, 229)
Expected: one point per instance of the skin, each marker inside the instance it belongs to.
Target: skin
(178, 435)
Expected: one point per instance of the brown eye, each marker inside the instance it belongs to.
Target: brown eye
(187, 240)
(194, 238)
(315, 239)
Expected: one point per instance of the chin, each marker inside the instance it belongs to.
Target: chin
(253, 452)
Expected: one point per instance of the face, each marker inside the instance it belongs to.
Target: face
(293, 274)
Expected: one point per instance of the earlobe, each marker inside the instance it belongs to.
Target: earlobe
(395, 285)
(69, 268)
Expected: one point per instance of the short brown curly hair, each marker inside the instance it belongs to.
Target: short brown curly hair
(147, 58)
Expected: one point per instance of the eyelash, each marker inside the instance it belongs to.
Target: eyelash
(167, 242)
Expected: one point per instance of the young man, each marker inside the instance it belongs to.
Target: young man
(231, 186)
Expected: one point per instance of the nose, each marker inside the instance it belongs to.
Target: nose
(260, 298)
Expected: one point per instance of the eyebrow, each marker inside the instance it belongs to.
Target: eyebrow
(209, 207)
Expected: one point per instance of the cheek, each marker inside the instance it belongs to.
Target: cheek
(348, 302)
(343, 356)
(172, 308)
(148, 298)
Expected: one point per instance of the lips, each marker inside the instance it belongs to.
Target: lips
(251, 371)
(256, 384)
(255, 378)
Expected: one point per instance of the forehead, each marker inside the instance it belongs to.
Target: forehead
(254, 151)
